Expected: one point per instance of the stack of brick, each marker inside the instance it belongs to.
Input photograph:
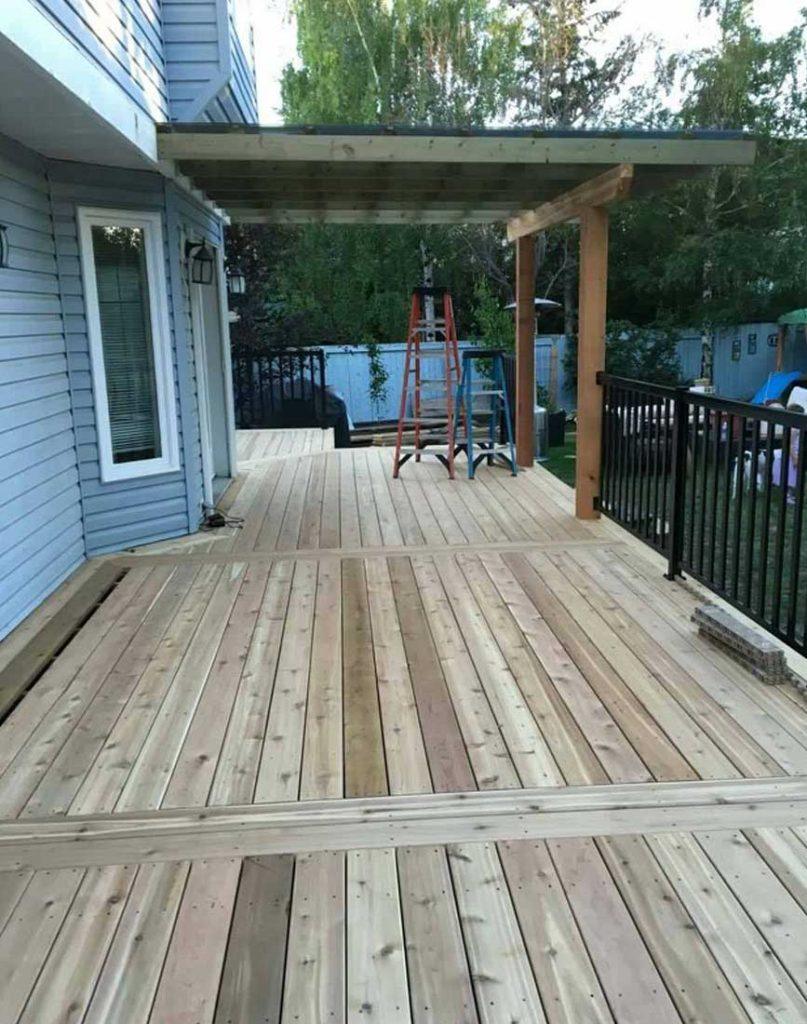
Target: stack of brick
(755, 651)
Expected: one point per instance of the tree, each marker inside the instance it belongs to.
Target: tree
(562, 81)
(405, 61)
(566, 80)
(733, 241)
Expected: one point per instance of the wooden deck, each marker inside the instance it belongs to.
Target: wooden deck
(479, 766)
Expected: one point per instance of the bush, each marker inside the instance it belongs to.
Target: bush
(643, 353)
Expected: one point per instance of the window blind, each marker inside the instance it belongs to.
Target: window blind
(123, 303)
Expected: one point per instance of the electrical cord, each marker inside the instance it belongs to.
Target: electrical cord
(213, 518)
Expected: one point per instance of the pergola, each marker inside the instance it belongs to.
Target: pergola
(529, 178)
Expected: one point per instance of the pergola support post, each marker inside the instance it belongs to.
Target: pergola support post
(590, 357)
(525, 350)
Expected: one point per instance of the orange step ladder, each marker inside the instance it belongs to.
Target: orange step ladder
(432, 335)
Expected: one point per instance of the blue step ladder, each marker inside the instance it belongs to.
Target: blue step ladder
(485, 444)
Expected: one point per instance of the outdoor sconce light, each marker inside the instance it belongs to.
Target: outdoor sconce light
(3, 246)
(236, 282)
(202, 262)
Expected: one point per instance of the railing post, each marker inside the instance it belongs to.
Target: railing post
(675, 553)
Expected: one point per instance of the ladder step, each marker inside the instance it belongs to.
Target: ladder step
(410, 449)
(480, 446)
(426, 421)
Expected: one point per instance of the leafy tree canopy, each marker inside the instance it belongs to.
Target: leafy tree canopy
(725, 247)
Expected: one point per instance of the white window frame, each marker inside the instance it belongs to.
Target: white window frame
(151, 225)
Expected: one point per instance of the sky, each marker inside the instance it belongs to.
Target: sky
(674, 22)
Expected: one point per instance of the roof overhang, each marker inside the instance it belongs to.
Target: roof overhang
(354, 175)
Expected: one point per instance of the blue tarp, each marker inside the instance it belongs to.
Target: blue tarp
(773, 387)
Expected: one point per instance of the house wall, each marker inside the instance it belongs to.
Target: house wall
(209, 64)
(41, 538)
(242, 62)
(122, 37)
(181, 60)
(125, 513)
(188, 221)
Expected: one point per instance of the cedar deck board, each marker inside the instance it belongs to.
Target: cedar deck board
(585, 664)
(21, 672)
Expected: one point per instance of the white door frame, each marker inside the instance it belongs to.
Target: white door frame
(202, 391)
(226, 359)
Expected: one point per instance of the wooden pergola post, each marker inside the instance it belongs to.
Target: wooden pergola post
(590, 356)
(525, 350)
(586, 203)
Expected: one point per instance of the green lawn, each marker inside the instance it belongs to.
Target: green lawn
(561, 459)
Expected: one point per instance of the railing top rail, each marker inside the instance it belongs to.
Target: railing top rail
(280, 350)
(747, 410)
(730, 406)
(643, 386)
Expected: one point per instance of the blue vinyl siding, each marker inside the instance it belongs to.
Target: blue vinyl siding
(123, 513)
(40, 502)
(209, 68)
(242, 89)
(122, 37)
(193, 55)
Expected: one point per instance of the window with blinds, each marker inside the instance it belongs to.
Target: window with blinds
(126, 294)
(123, 307)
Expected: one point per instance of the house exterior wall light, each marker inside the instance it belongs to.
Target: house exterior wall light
(201, 260)
(236, 282)
(4, 246)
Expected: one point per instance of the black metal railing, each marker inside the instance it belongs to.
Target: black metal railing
(717, 486)
(279, 387)
(637, 433)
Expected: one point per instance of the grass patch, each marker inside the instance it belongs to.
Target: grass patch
(562, 458)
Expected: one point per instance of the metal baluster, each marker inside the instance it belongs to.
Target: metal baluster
(718, 430)
(693, 504)
(795, 554)
(738, 507)
(781, 531)
(661, 403)
(667, 466)
(679, 454)
(622, 475)
(707, 430)
(724, 538)
(762, 571)
(752, 513)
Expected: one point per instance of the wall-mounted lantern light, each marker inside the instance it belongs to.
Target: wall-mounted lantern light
(202, 262)
(236, 282)
(4, 247)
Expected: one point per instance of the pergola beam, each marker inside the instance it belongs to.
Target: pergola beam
(601, 190)
(238, 142)
(426, 215)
